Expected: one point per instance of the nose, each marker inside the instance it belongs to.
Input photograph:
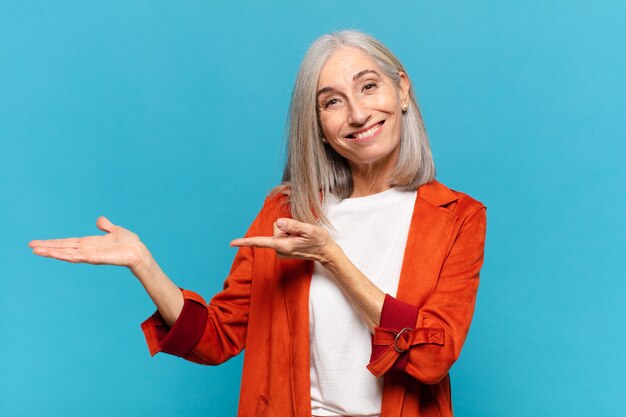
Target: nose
(358, 113)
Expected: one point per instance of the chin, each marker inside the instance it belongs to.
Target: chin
(372, 159)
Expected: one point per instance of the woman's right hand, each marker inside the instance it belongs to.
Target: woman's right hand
(118, 246)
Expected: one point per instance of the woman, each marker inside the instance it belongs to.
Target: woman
(353, 290)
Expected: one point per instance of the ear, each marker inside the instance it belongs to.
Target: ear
(405, 87)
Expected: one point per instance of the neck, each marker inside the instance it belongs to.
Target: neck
(370, 179)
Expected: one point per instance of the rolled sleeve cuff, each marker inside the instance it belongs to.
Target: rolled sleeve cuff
(395, 315)
(183, 335)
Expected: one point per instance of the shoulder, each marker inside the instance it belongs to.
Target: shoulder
(456, 202)
(277, 202)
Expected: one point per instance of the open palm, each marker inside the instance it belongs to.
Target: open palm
(118, 246)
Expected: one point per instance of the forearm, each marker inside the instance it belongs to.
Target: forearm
(164, 293)
(366, 296)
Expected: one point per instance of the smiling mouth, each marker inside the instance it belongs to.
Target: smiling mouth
(366, 134)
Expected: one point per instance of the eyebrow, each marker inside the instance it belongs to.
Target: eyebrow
(323, 90)
(362, 73)
(354, 78)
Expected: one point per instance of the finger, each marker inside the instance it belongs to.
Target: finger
(71, 242)
(256, 242)
(105, 225)
(69, 255)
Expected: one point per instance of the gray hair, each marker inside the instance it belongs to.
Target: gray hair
(314, 169)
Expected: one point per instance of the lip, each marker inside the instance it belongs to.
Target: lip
(380, 128)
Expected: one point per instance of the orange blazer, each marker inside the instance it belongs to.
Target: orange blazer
(264, 309)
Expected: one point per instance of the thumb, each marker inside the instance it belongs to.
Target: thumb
(104, 224)
(290, 226)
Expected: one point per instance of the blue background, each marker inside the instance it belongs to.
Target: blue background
(168, 117)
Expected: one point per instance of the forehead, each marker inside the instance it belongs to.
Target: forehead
(343, 64)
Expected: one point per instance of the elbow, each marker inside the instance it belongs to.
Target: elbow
(431, 374)
(432, 364)
(432, 377)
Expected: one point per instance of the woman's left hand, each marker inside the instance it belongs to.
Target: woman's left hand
(294, 239)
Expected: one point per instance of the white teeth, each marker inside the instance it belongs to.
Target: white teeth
(368, 133)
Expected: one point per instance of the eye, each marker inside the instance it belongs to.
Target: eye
(370, 86)
(330, 102)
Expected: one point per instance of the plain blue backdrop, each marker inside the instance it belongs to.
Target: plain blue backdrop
(168, 117)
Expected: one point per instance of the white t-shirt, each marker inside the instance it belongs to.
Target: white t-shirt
(372, 231)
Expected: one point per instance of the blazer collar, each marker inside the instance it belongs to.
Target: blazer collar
(436, 194)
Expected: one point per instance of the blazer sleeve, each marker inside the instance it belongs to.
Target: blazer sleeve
(209, 333)
(424, 341)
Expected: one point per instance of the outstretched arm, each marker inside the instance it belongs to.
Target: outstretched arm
(121, 247)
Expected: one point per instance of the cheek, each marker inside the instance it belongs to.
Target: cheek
(330, 126)
(388, 103)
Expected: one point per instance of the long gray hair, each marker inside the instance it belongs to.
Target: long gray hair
(313, 169)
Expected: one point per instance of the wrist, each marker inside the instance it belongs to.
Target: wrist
(332, 256)
(144, 262)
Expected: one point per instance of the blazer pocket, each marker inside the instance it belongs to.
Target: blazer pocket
(262, 405)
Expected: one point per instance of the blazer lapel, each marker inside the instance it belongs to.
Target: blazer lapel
(430, 230)
(427, 242)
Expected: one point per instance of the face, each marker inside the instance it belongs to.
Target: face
(360, 108)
